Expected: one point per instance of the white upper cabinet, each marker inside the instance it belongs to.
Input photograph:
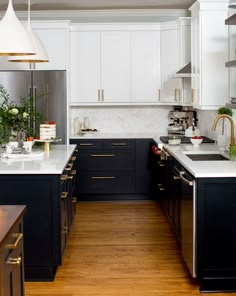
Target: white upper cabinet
(171, 89)
(115, 64)
(146, 66)
(55, 37)
(209, 51)
(85, 66)
(115, 67)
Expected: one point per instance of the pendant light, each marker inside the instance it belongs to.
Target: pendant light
(41, 53)
(232, 4)
(14, 38)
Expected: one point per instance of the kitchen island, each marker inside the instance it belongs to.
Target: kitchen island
(205, 190)
(46, 186)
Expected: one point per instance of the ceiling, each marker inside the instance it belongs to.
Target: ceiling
(21, 5)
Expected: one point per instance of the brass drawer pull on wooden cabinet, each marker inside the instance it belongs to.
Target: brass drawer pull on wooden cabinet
(110, 177)
(102, 155)
(14, 261)
(64, 195)
(18, 237)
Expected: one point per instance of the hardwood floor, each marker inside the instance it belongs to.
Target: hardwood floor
(120, 249)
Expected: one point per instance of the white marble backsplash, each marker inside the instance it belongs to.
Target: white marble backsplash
(120, 119)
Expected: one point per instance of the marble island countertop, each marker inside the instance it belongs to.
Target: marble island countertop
(49, 162)
(206, 168)
(125, 135)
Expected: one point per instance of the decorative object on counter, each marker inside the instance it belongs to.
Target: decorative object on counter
(174, 140)
(16, 119)
(47, 143)
(76, 126)
(196, 141)
(86, 123)
(192, 131)
(88, 131)
(47, 130)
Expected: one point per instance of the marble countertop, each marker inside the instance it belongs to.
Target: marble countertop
(50, 162)
(203, 169)
(128, 135)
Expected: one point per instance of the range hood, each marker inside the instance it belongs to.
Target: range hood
(185, 71)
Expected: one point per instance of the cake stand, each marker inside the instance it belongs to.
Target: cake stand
(47, 143)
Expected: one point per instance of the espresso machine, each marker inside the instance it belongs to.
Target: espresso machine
(180, 120)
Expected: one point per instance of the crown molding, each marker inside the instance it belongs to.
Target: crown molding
(68, 14)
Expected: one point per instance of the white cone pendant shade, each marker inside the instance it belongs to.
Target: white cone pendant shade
(41, 53)
(232, 4)
(14, 39)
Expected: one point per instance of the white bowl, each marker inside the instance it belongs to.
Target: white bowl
(27, 145)
(196, 142)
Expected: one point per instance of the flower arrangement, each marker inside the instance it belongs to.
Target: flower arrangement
(17, 118)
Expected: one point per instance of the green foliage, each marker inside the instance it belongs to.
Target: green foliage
(14, 118)
(232, 152)
(225, 110)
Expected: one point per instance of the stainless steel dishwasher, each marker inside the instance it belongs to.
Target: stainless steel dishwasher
(188, 219)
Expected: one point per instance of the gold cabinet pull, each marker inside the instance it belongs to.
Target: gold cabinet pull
(63, 177)
(86, 144)
(159, 94)
(103, 95)
(70, 177)
(98, 95)
(74, 199)
(65, 229)
(18, 237)
(105, 177)
(119, 144)
(73, 172)
(161, 188)
(176, 178)
(14, 261)
(102, 155)
(64, 195)
(73, 158)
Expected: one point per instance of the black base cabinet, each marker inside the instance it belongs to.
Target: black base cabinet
(216, 239)
(113, 169)
(50, 201)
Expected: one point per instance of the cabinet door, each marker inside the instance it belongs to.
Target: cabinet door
(195, 56)
(115, 66)
(171, 89)
(85, 66)
(55, 42)
(146, 72)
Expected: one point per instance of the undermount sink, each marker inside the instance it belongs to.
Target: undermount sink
(206, 157)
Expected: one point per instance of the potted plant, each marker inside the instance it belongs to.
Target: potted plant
(224, 110)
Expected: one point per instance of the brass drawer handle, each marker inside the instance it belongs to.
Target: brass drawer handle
(119, 144)
(70, 177)
(18, 237)
(73, 172)
(74, 199)
(176, 178)
(68, 168)
(64, 195)
(86, 144)
(110, 177)
(76, 150)
(102, 155)
(63, 177)
(73, 158)
(14, 261)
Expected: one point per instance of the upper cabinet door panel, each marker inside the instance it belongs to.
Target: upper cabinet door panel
(171, 88)
(115, 66)
(85, 66)
(146, 72)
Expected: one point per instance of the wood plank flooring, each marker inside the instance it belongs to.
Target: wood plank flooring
(120, 249)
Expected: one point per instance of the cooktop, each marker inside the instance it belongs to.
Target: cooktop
(185, 140)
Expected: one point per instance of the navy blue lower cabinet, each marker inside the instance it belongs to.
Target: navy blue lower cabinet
(115, 169)
(216, 234)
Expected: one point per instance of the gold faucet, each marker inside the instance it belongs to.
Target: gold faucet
(231, 126)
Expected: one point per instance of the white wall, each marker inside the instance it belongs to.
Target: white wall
(133, 119)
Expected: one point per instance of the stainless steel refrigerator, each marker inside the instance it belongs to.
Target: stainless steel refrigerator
(48, 90)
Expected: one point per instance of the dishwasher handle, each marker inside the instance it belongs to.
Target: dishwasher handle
(181, 175)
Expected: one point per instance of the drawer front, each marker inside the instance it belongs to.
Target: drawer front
(118, 144)
(106, 160)
(106, 183)
(87, 144)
